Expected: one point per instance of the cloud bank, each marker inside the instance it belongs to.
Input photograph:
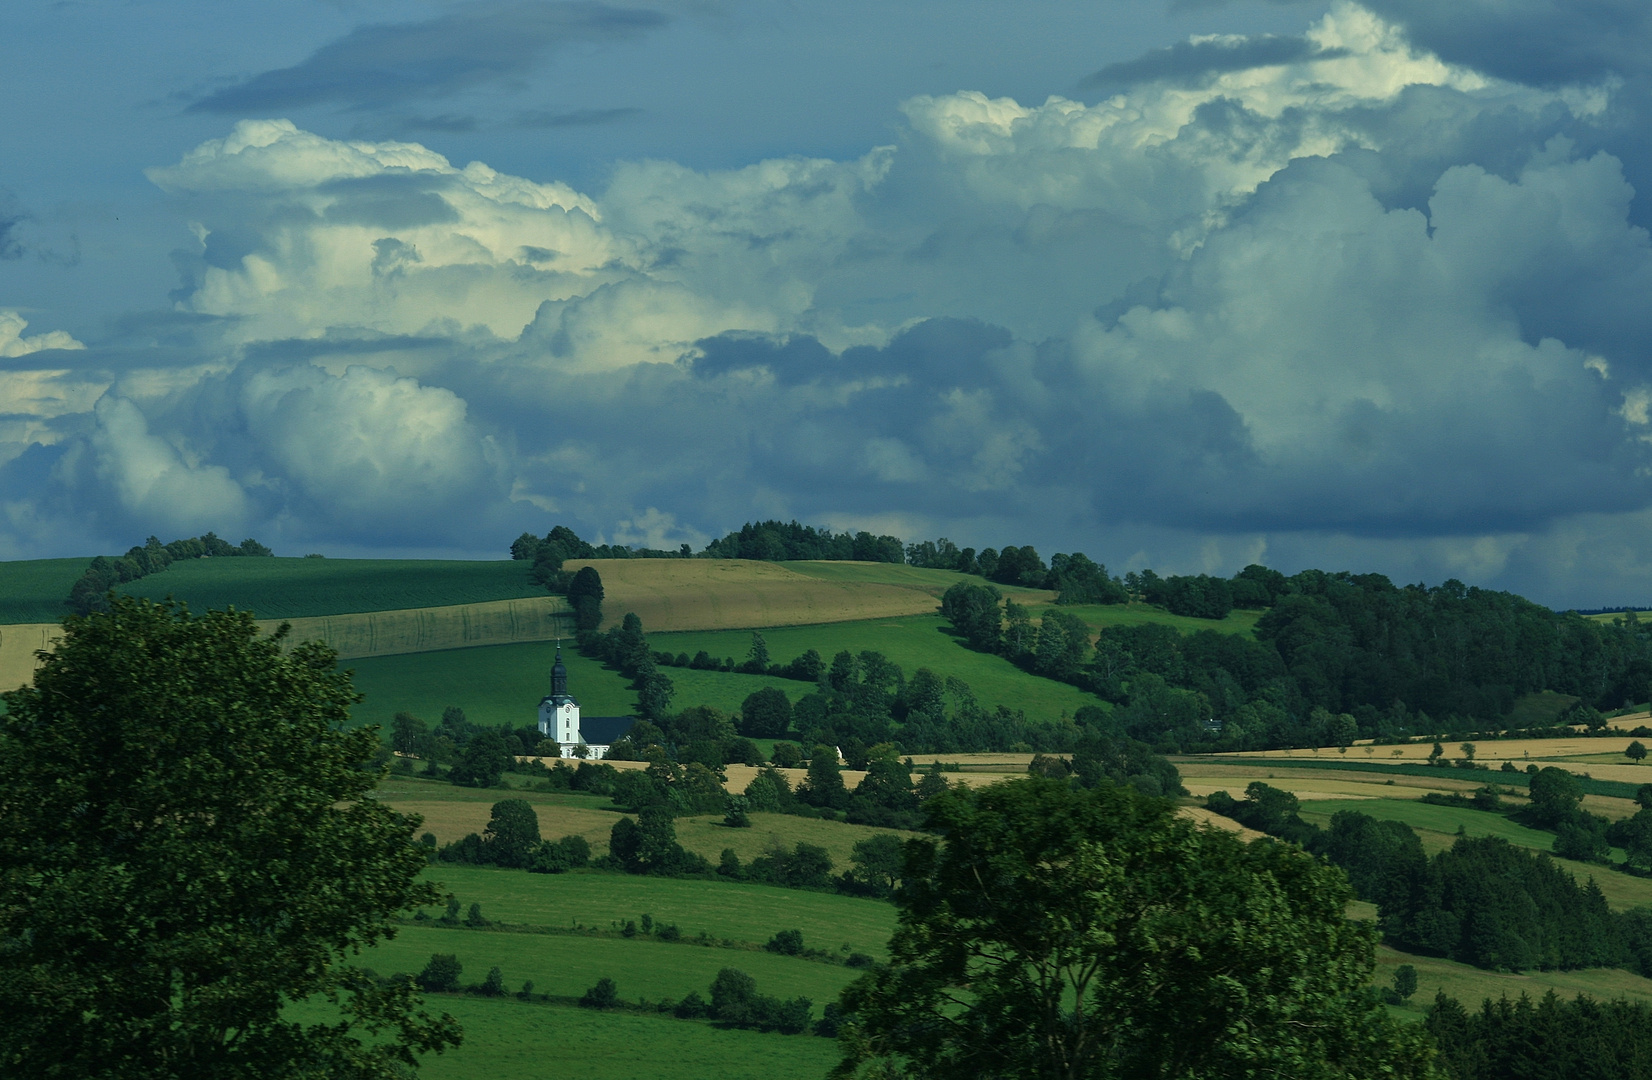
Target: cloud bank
(1357, 298)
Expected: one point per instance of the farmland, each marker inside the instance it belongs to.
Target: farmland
(912, 642)
(275, 588)
(34, 590)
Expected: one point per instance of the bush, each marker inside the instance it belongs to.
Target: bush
(691, 1007)
(494, 984)
(604, 995)
(786, 755)
(473, 917)
(440, 975)
(859, 960)
(786, 943)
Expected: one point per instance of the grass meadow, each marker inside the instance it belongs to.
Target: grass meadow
(737, 911)
(913, 642)
(281, 588)
(506, 1039)
(566, 965)
(34, 590)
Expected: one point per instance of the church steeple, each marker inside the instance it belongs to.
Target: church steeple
(559, 675)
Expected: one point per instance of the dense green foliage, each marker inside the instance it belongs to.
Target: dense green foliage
(1336, 657)
(776, 541)
(1062, 932)
(1483, 901)
(1551, 1039)
(191, 842)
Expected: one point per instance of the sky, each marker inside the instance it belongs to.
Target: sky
(1181, 284)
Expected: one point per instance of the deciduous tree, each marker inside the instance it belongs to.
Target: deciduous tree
(191, 843)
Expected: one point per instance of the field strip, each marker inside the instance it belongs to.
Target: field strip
(369, 633)
(416, 630)
(18, 644)
(736, 594)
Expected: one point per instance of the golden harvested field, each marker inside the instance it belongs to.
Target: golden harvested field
(18, 644)
(1493, 753)
(1227, 824)
(417, 630)
(734, 594)
(1376, 783)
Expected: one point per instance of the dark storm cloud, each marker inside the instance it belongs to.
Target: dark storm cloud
(1188, 61)
(1539, 42)
(383, 64)
(575, 118)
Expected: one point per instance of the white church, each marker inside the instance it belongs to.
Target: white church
(559, 719)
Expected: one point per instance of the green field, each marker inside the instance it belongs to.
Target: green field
(734, 910)
(566, 965)
(494, 684)
(1101, 616)
(34, 590)
(290, 588)
(507, 1039)
(1471, 985)
(502, 684)
(912, 642)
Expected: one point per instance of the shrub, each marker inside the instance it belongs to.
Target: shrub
(441, 974)
(604, 995)
(859, 960)
(691, 1007)
(473, 917)
(494, 984)
(786, 943)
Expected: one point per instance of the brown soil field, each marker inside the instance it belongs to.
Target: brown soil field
(734, 594)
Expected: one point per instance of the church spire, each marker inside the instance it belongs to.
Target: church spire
(559, 675)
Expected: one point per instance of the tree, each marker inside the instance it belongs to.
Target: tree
(512, 835)
(1555, 797)
(766, 713)
(757, 660)
(483, 761)
(825, 780)
(604, 995)
(1635, 751)
(441, 974)
(585, 597)
(1405, 981)
(192, 843)
(1061, 932)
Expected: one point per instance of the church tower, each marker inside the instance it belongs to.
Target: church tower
(559, 713)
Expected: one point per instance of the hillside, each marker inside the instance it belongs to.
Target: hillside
(34, 590)
(292, 588)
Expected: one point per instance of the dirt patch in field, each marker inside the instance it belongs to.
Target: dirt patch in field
(734, 594)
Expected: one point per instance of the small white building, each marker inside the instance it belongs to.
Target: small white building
(559, 719)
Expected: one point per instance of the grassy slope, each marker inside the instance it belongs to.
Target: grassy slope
(913, 642)
(502, 684)
(1471, 985)
(733, 910)
(507, 1039)
(450, 812)
(289, 588)
(568, 964)
(33, 591)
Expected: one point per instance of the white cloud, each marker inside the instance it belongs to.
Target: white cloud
(157, 482)
(13, 343)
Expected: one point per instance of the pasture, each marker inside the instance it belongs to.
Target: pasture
(282, 588)
(732, 910)
(433, 629)
(506, 1039)
(912, 642)
(34, 590)
(1471, 985)
(565, 965)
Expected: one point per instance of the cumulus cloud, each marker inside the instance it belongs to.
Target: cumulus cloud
(13, 343)
(1340, 299)
(385, 64)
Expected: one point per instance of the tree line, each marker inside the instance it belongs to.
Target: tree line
(91, 592)
(1335, 658)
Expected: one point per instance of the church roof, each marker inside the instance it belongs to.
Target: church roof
(604, 730)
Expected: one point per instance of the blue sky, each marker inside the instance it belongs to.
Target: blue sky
(1182, 285)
